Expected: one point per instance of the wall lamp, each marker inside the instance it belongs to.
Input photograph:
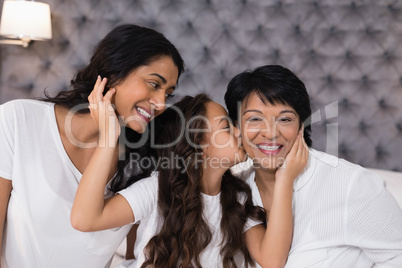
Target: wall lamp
(23, 21)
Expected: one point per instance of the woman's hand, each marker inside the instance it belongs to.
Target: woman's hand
(295, 161)
(102, 111)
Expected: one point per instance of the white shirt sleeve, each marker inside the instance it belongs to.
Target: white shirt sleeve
(142, 196)
(374, 221)
(250, 222)
(7, 129)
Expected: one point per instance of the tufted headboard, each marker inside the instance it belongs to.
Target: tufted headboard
(348, 53)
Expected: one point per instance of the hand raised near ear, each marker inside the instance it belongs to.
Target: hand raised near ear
(103, 113)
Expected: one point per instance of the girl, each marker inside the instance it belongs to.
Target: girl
(47, 145)
(193, 212)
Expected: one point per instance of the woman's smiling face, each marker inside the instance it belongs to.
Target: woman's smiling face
(142, 95)
(268, 131)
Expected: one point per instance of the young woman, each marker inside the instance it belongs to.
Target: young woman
(47, 145)
(193, 212)
(343, 215)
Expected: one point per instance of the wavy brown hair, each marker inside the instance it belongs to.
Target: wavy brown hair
(185, 233)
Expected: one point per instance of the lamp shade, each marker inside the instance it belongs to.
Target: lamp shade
(26, 20)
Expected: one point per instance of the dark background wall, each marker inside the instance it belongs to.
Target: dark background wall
(348, 53)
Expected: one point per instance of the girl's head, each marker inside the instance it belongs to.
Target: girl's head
(140, 63)
(199, 131)
(273, 106)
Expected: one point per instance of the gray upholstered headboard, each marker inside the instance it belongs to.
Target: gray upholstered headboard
(348, 53)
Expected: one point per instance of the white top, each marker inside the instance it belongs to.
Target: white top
(142, 197)
(343, 217)
(38, 232)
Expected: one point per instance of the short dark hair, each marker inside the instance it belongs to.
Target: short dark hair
(121, 51)
(272, 83)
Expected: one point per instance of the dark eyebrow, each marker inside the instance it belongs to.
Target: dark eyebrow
(163, 79)
(259, 112)
(160, 77)
(251, 111)
(287, 111)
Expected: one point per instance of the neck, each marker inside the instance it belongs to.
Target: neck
(211, 180)
(78, 128)
(265, 179)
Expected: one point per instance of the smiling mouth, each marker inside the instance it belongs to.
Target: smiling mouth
(269, 148)
(143, 113)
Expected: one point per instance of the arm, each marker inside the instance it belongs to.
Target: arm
(270, 247)
(90, 212)
(5, 191)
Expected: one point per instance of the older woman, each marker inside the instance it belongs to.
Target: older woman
(343, 215)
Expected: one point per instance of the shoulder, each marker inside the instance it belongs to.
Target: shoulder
(142, 196)
(25, 107)
(143, 186)
(26, 103)
(333, 167)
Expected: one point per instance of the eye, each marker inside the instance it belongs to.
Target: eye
(254, 119)
(154, 85)
(168, 95)
(284, 119)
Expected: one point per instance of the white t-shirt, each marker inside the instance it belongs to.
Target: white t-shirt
(343, 217)
(38, 232)
(142, 197)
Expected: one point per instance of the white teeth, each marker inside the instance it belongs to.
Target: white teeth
(143, 112)
(269, 148)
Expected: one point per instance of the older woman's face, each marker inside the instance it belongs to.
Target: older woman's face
(268, 131)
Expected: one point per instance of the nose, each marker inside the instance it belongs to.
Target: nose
(158, 101)
(269, 130)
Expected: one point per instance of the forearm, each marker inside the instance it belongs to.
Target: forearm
(5, 190)
(89, 200)
(276, 242)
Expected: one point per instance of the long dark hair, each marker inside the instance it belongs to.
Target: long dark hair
(120, 52)
(185, 233)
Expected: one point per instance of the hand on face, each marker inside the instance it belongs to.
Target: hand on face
(103, 113)
(295, 161)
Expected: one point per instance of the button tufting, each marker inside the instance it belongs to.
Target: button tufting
(296, 29)
(64, 43)
(47, 64)
(344, 151)
(29, 87)
(343, 50)
(344, 103)
(363, 127)
(382, 104)
(332, 30)
(386, 55)
(82, 20)
(380, 152)
(399, 127)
